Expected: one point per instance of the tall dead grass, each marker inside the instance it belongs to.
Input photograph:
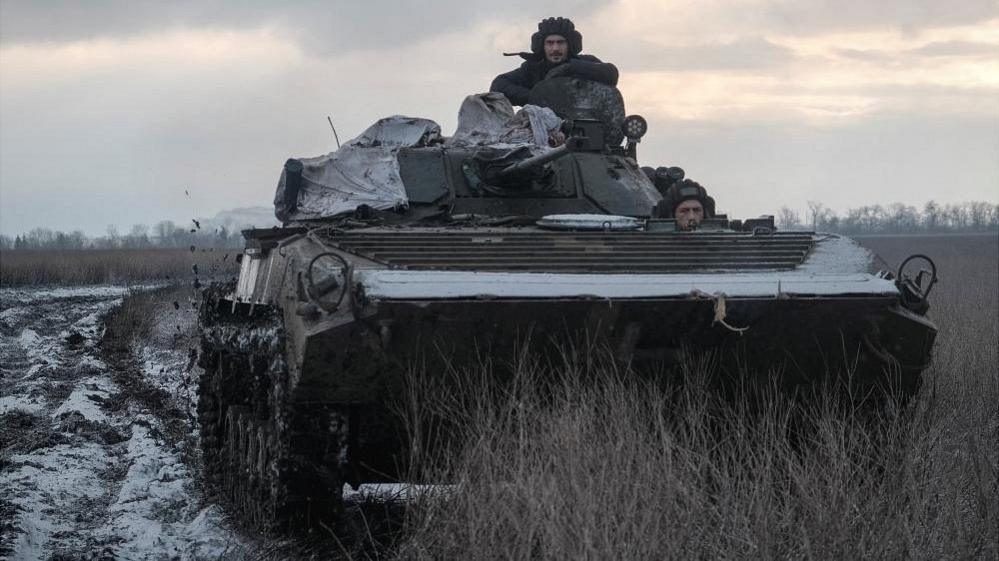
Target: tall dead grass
(111, 266)
(586, 461)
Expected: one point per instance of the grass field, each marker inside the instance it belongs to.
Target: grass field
(560, 467)
(112, 266)
(584, 462)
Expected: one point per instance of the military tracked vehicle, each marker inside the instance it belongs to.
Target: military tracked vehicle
(304, 354)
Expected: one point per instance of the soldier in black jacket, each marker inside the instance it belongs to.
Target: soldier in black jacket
(555, 49)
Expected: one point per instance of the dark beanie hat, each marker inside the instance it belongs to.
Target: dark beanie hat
(557, 26)
(685, 190)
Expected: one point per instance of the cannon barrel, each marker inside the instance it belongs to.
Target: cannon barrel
(571, 145)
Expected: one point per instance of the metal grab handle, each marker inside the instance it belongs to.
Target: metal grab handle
(917, 283)
(915, 291)
(315, 291)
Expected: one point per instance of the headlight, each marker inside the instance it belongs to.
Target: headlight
(635, 127)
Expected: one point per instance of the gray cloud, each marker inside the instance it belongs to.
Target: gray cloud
(754, 168)
(937, 49)
(750, 53)
(795, 16)
(958, 48)
(121, 145)
(323, 26)
(868, 55)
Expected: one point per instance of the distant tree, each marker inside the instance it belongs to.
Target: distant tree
(163, 230)
(901, 218)
(113, 238)
(931, 216)
(957, 216)
(787, 218)
(870, 217)
(77, 239)
(815, 211)
(830, 221)
(137, 237)
(979, 214)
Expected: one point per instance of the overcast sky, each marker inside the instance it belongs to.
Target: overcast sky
(121, 112)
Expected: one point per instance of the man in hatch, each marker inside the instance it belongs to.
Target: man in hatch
(555, 52)
(686, 202)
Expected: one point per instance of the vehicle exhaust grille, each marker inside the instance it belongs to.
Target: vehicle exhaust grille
(577, 252)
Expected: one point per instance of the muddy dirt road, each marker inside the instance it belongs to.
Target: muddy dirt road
(95, 452)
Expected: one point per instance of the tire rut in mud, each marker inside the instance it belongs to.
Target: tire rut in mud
(96, 442)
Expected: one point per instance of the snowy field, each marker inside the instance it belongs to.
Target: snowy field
(88, 469)
(98, 444)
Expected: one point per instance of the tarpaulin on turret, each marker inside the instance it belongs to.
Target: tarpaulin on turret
(364, 171)
(488, 120)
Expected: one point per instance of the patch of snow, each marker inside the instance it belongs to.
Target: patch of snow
(82, 400)
(90, 362)
(29, 338)
(391, 491)
(48, 484)
(27, 296)
(33, 370)
(834, 253)
(153, 511)
(83, 488)
(163, 369)
(10, 316)
(19, 402)
(43, 350)
(91, 322)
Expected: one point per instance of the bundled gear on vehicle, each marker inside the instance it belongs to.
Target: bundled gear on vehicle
(664, 177)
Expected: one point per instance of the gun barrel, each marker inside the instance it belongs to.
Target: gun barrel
(539, 160)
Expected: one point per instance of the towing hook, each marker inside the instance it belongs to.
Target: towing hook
(916, 289)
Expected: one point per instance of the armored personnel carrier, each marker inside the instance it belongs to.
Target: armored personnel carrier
(403, 248)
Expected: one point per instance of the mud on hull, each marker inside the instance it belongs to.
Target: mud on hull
(272, 461)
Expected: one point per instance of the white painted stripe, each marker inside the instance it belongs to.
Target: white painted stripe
(431, 285)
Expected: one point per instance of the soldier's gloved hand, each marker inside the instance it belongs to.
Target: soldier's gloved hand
(564, 69)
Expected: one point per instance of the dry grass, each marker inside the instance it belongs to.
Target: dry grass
(133, 320)
(586, 462)
(136, 321)
(112, 266)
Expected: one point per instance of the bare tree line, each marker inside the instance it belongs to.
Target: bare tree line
(165, 234)
(895, 218)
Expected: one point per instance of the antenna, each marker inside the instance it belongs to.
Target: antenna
(335, 135)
